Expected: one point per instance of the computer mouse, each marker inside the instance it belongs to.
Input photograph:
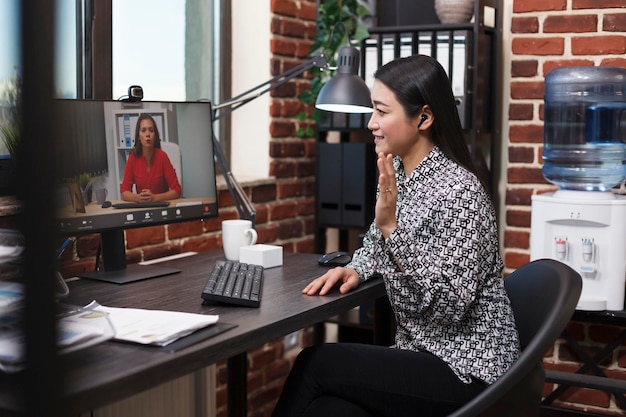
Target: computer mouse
(106, 204)
(337, 258)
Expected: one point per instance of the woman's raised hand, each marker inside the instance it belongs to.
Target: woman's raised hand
(388, 195)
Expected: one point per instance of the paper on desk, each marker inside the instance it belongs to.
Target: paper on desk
(76, 330)
(152, 327)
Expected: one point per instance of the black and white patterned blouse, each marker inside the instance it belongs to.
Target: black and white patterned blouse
(442, 270)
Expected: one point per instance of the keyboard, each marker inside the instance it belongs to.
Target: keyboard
(148, 204)
(234, 282)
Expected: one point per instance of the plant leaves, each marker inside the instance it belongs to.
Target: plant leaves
(328, 39)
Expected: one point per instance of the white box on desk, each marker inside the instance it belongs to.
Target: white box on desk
(268, 256)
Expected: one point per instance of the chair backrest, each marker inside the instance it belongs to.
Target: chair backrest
(173, 153)
(543, 294)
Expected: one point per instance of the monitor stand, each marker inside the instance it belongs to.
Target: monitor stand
(114, 259)
(132, 273)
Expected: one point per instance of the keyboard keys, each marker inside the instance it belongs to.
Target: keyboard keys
(235, 283)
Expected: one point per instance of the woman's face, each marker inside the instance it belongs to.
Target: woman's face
(394, 132)
(146, 133)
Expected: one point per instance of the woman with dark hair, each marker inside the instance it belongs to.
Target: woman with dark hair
(148, 168)
(434, 241)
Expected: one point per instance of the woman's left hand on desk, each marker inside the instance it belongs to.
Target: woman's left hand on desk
(348, 278)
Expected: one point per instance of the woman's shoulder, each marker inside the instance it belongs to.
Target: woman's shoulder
(161, 157)
(453, 178)
(160, 153)
(442, 169)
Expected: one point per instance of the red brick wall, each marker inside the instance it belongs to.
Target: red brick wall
(290, 203)
(546, 34)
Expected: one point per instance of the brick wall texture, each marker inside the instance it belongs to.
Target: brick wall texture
(547, 34)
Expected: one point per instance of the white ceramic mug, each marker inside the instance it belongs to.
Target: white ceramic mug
(235, 234)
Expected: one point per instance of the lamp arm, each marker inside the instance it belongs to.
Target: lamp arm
(234, 103)
(244, 206)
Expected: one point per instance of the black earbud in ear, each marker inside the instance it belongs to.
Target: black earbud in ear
(422, 120)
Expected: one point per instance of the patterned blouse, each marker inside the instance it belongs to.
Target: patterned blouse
(442, 270)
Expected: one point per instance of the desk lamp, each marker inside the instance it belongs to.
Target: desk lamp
(345, 92)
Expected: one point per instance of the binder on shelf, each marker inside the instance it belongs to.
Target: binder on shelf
(346, 184)
(358, 180)
(329, 183)
(127, 133)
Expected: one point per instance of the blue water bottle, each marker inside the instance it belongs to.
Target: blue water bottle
(585, 128)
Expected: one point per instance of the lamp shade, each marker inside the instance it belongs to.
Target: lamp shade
(345, 92)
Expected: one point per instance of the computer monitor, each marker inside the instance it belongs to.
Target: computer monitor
(97, 138)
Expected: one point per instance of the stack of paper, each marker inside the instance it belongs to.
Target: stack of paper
(77, 329)
(81, 327)
(152, 327)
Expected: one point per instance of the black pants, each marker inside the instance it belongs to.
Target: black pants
(358, 380)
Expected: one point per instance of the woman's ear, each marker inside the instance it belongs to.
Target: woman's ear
(426, 118)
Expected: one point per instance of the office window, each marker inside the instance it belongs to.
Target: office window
(167, 47)
(67, 34)
(176, 50)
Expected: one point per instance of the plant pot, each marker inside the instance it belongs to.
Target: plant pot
(454, 11)
(87, 195)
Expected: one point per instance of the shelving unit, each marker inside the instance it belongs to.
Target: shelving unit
(470, 54)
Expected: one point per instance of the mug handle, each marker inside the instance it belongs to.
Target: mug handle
(253, 236)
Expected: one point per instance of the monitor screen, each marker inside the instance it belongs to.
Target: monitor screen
(103, 171)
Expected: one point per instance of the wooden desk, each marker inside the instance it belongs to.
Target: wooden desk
(112, 370)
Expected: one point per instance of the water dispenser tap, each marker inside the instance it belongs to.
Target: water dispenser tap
(588, 254)
(560, 248)
(587, 250)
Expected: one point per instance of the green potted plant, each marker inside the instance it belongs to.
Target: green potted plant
(337, 21)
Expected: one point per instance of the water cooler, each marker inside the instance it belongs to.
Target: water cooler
(583, 224)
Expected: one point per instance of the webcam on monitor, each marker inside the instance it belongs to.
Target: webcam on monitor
(135, 93)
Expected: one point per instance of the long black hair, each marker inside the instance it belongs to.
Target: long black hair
(419, 80)
(138, 148)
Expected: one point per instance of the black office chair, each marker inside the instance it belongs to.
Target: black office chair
(544, 294)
